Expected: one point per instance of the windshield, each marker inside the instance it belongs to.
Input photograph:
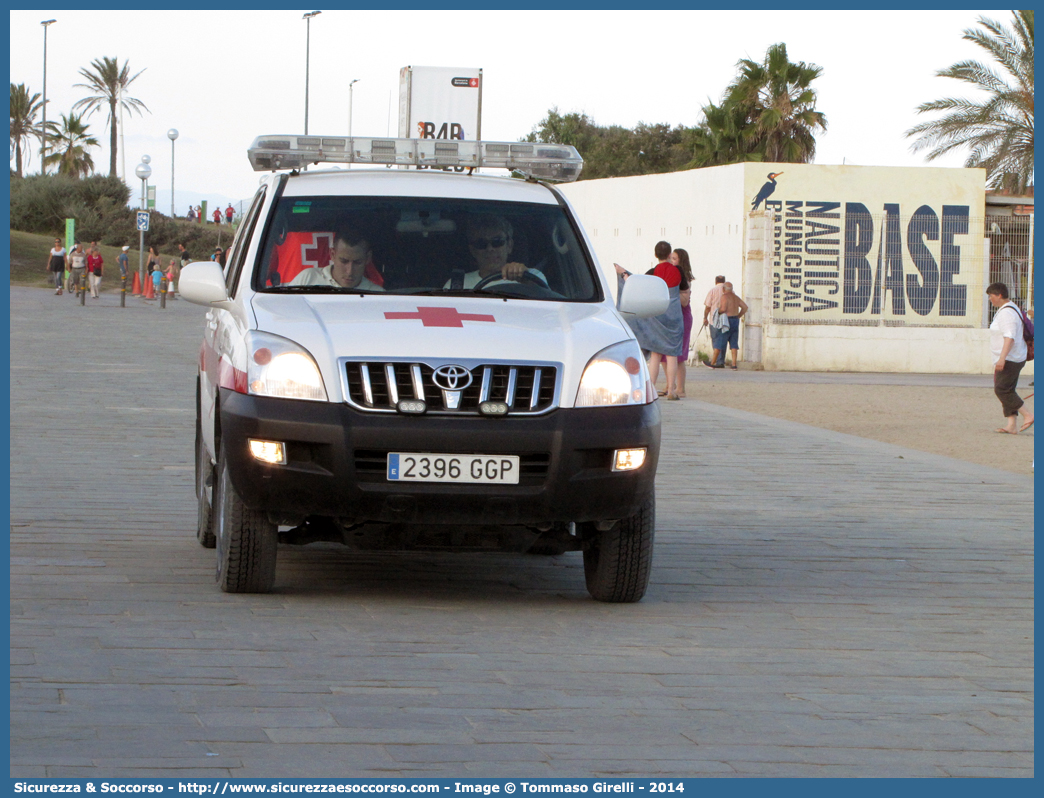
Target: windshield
(424, 246)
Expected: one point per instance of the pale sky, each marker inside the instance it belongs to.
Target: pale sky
(222, 78)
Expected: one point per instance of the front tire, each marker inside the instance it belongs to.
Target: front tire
(617, 562)
(247, 542)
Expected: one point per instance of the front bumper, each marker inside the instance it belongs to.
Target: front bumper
(336, 463)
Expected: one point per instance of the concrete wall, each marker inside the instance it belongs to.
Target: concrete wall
(700, 210)
(924, 350)
(845, 268)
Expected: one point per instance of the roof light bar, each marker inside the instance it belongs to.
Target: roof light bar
(553, 162)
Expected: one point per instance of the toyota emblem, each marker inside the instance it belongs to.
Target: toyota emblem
(452, 378)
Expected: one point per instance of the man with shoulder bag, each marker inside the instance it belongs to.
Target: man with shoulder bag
(1008, 346)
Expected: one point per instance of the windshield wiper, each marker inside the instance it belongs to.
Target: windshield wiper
(313, 289)
(458, 292)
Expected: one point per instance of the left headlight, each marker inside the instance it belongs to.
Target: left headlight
(616, 376)
(279, 367)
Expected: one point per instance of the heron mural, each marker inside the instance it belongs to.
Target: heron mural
(766, 190)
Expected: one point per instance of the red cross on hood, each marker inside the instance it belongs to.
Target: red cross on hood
(440, 317)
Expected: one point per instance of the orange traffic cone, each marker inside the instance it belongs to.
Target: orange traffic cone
(136, 289)
(150, 292)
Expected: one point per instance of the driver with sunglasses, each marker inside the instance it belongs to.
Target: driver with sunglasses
(490, 241)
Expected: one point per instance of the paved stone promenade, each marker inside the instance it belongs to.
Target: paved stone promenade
(821, 605)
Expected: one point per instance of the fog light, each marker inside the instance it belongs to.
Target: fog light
(271, 452)
(628, 459)
(412, 406)
(493, 408)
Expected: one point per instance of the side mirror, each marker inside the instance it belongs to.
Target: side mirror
(643, 295)
(203, 282)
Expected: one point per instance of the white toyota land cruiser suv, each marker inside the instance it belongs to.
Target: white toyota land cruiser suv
(396, 358)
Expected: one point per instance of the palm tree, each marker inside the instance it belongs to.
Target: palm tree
(779, 106)
(998, 129)
(722, 137)
(70, 146)
(768, 113)
(24, 108)
(108, 82)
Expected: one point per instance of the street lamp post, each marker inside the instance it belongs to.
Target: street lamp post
(353, 82)
(123, 149)
(308, 47)
(143, 171)
(172, 134)
(43, 149)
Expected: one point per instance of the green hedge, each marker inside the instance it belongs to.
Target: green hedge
(42, 203)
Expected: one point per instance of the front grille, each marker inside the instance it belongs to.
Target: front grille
(378, 386)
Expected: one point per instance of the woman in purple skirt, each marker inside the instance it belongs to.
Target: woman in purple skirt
(680, 258)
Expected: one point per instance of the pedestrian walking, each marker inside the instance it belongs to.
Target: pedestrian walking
(733, 308)
(192, 214)
(660, 335)
(172, 275)
(217, 216)
(717, 359)
(1008, 347)
(78, 269)
(157, 279)
(123, 261)
(185, 257)
(56, 265)
(229, 213)
(94, 270)
(152, 264)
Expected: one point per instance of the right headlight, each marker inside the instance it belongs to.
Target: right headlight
(616, 376)
(279, 367)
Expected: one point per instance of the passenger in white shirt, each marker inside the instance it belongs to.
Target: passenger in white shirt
(348, 261)
(1008, 348)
